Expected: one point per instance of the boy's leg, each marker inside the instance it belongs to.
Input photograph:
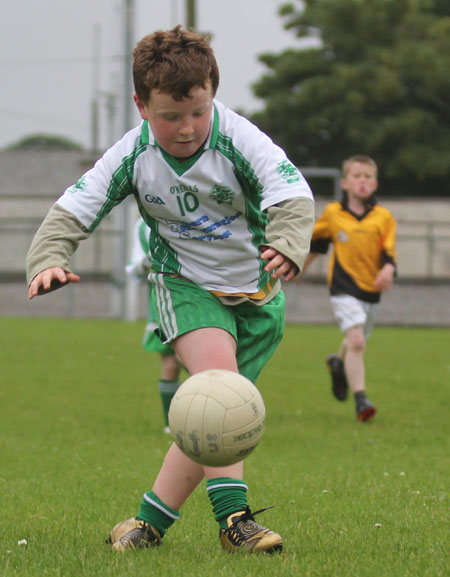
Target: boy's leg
(170, 368)
(212, 345)
(168, 384)
(225, 486)
(227, 493)
(259, 331)
(355, 344)
(217, 346)
(218, 352)
(354, 358)
(339, 383)
(256, 331)
(356, 321)
(238, 529)
(178, 477)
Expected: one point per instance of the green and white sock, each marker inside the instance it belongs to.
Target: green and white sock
(227, 496)
(167, 389)
(158, 514)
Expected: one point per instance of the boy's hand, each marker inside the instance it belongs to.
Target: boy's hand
(50, 279)
(278, 263)
(385, 278)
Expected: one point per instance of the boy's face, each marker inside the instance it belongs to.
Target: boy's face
(360, 181)
(179, 126)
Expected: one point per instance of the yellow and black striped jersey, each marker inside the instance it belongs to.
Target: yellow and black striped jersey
(361, 246)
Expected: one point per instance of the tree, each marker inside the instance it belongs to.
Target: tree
(377, 84)
(46, 141)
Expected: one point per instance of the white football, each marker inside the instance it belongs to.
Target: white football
(217, 417)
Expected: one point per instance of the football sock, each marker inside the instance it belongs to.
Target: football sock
(360, 396)
(158, 514)
(167, 389)
(227, 496)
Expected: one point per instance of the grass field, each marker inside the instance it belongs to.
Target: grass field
(81, 439)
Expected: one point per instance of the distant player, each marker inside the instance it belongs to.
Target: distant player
(361, 266)
(229, 216)
(139, 269)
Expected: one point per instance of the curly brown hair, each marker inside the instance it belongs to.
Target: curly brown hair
(173, 61)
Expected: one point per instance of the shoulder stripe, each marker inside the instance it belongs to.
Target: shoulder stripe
(121, 184)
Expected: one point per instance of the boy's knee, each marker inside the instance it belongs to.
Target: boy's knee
(355, 340)
(170, 367)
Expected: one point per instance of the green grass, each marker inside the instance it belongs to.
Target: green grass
(81, 440)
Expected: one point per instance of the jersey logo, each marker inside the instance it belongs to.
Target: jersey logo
(80, 185)
(342, 236)
(288, 171)
(196, 231)
(150, 198)
(222, 194)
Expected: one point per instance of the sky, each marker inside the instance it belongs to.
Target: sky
(56, 55)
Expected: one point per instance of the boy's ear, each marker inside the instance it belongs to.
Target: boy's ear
(141, 106)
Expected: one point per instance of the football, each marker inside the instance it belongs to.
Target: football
(217, 417)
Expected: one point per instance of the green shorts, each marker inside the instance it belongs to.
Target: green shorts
(180, 306)
(151, 342)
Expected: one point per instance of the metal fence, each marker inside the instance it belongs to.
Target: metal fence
(423, 246)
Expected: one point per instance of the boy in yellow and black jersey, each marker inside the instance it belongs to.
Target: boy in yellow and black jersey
(361, 266)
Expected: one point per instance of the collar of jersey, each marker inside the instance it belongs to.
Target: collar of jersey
(369, 209)
(147, 137)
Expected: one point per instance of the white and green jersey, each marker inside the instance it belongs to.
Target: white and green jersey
(206, 214)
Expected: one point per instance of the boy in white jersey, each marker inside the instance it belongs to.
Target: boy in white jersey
(229, 216)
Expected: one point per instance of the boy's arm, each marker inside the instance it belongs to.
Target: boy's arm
(289, 230)
(388, 254)
(310, 257)
(385, 278)
(54, 243)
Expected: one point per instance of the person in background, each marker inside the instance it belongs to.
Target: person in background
(362, 265)
(138, 269)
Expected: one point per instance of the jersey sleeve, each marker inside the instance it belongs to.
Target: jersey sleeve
(105, 185)
(388, 253)
(55, 242)
(261, 164)
(322, 235)
(290, 227)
